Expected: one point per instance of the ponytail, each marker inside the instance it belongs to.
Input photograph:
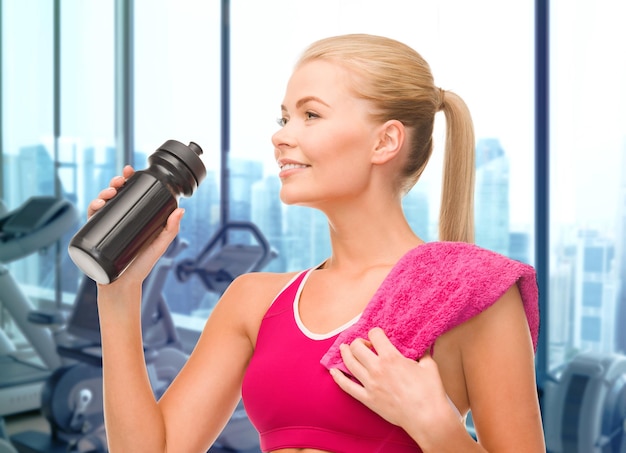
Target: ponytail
(456, 215)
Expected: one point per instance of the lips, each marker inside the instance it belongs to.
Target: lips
(285, 167)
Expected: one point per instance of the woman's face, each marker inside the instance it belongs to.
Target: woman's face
(323, 148)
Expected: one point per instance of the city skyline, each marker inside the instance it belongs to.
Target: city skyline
(586, 293)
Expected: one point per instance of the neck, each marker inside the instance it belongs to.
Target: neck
(363, 239)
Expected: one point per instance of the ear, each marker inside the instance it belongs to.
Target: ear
(390, 141)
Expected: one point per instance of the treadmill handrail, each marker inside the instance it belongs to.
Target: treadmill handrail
(39, 222)
(198, 264)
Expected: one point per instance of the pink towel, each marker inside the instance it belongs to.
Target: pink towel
(435, 287)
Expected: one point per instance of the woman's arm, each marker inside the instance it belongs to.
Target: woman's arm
(132, 419)
(498, 369)
(199, 402)
(201, 399)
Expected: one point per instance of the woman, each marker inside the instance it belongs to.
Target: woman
(357, 121)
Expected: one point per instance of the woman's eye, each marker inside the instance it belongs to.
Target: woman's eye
(281, 121)
(311, 115)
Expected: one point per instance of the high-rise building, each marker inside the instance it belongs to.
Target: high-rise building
(34, 175)
(519, 246)
(415, 206)
(267, 214)
(243, 174)
(492, 196)
(620, 315)
(98, 168)
(561, 316)
(595, 297)
(37, 177)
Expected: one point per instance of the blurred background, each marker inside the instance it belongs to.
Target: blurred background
(87, 86)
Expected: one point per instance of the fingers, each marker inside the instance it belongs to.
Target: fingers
(163, 240)
(365, 358)
(128, 171)
(361, 357)
(355, 358)
(380, 341)
(427, 361)
(97, 203)
(361, 354)
(117, 182)
(348, 385)
(173, 222)
(106, 194)
(172, 227)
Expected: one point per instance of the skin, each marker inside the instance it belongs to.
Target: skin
(333, 158)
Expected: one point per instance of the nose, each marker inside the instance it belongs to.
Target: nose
(281, 140)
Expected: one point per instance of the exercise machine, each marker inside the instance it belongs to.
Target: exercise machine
(35, 225)
(222, 260)
(72, 397)
(585, 409)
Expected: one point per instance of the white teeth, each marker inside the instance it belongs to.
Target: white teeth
(291, 166)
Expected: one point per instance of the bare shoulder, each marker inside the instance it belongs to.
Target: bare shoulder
(261, 280)
(257, 288)
(505, 319)
(249, 296)
(498, 367)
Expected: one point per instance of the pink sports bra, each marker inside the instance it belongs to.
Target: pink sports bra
(291, 398)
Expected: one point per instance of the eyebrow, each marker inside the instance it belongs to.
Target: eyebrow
(304, 100)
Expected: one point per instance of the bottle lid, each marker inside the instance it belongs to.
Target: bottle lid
(189, 155)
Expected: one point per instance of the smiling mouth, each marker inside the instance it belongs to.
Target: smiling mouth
(292, 166)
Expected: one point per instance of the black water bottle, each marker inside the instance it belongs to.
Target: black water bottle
(110, 240)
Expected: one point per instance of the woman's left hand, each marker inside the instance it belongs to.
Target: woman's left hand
(405, 392)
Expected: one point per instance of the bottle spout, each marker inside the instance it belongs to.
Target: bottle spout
(195, 148)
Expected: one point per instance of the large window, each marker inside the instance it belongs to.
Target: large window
(62, 90)
(69, 98)
(85, 154)
(587, 299)
(59, 131)
(483, 50)
(177, 96)
(30, 151)
(65, 87)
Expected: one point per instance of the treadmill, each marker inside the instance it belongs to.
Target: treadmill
(36, 224)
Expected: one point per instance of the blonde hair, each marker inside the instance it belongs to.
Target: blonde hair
(400, 85)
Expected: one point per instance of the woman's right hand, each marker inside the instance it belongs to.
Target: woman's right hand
(106, 194)
(141, 266)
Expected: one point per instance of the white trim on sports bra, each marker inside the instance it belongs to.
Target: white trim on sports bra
(324, 336)
(303, 328)
(285, 287)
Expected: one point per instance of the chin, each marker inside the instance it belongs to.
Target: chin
(294, 199)
(289, 197)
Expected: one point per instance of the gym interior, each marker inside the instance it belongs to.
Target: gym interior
(87, 86)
